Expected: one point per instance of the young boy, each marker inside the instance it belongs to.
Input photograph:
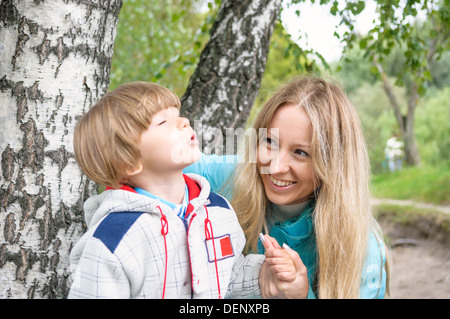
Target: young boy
(154, 232)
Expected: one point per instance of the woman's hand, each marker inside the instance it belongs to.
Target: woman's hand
(283, 274)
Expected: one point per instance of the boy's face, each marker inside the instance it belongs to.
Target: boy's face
(169, 143)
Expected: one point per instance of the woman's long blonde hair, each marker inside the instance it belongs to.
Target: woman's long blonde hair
(342, 215)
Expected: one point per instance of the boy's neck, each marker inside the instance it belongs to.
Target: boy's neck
(170, 187)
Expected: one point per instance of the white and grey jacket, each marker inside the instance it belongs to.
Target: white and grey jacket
(137, 247)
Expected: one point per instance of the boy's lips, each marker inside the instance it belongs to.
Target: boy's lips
(193, 139)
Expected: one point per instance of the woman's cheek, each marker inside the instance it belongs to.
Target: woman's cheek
(264, 157)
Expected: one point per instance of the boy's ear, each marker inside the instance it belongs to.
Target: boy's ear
(135, 170)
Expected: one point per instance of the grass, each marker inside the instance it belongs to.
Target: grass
(430, 184)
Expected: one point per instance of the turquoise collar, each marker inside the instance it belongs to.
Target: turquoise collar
(295, 231)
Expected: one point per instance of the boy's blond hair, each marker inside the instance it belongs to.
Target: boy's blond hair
(106, 138)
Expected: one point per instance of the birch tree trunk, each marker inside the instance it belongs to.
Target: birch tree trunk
(226, 81)
(54, 62)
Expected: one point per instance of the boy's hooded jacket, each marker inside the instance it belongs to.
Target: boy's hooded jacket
(137, 247)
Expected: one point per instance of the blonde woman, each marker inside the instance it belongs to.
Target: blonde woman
(309, 189)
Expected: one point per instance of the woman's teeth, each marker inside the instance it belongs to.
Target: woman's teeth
(280, 183)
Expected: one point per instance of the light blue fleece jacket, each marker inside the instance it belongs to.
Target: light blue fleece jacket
(298, 233)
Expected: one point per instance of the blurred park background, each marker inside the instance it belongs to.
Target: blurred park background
(162, 41)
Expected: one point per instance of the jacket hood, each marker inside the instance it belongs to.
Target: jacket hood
(126, 199)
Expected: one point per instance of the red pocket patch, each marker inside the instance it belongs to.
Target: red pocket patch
(222, 246)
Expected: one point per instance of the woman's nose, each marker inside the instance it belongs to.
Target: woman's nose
(279, 163)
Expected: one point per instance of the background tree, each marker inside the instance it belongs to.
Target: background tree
(421, 45)
(55, 63)
(367, 92)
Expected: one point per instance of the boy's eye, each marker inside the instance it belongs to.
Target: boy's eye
(162, 122)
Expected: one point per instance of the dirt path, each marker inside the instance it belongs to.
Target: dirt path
(420, 257)
(420, 271)
(420, 260)
(404, 202)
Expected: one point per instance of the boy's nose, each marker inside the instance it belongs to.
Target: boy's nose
(183, 122)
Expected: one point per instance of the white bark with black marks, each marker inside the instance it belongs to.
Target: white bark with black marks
(55, 58)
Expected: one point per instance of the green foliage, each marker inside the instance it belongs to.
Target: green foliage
(377, 120)
(432, 124)
(285, 61)
(432, 119)
(354, 71)
(159, 41)
(432, 127)
(396, 26)
(440, 71)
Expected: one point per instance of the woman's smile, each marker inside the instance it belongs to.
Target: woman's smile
(280, 183)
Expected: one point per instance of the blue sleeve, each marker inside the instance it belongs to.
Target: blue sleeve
(373, 279)
(311, 294)
(216, 169)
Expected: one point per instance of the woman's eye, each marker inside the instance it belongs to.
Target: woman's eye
(301, 153)
(268, 140)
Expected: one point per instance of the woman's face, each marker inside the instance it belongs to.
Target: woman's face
(284, 162)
